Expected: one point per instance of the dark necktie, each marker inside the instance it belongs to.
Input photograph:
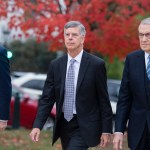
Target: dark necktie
(69, 92)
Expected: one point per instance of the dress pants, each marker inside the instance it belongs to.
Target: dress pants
(144, 143)
(70, 135)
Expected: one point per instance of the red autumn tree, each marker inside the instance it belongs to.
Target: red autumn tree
(111, 24)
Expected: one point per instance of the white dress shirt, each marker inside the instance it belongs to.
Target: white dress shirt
(76, 69)
(3, 120)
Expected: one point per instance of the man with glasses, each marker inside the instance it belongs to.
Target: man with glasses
(77, 83)
(134, 96)
(5, 88)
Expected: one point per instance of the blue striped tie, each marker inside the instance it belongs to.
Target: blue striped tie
(69, 92)
(148, 68)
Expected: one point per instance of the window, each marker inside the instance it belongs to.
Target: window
(36, 84)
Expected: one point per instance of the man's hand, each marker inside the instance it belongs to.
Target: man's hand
(3, 125)
(35, 134)
(117, 141)
(105, 139)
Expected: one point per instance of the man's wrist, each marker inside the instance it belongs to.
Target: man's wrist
(118, 133)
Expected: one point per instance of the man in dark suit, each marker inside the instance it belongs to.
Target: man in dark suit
(5, 88)
(87, 121)
(134, 97)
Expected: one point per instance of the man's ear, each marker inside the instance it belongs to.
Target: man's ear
(83, 39)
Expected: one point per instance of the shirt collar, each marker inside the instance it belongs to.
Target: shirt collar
(77, 58)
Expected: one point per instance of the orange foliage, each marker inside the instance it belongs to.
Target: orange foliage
(111, 24)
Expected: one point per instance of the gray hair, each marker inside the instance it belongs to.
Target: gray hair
(71, 24)
(145, 21)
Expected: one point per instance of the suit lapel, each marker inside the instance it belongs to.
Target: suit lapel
(140, 69)
(83, 67)
(63, 75)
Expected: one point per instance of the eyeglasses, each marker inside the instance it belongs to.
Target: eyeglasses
(147, 35)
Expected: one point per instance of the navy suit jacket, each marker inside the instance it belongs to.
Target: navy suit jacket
(133, 104)
(5, 85)
(93, 107)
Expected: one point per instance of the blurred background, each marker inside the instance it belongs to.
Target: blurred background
(32, 31)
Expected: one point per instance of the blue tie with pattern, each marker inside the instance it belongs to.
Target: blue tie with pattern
(69, 92)
(148, 68)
